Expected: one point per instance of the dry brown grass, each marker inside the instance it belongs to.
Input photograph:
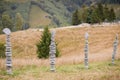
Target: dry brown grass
(71, 46)
(70, 43)
(72, 76)
(24, 43)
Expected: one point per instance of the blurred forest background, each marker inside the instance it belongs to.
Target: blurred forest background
(24, 14)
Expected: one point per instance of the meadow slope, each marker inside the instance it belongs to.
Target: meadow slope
(71, 45)
(70, 42)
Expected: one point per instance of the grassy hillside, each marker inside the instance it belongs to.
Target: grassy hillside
(97, 71)
(58, 12)
(38, 17)
(70, 41)
(55, 13)
(70, 66)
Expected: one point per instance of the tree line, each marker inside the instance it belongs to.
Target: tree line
(93, 14)
(7, 20)
(110, 1)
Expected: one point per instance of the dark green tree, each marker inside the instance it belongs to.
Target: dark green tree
(19, 21)
(89, 16)
(100, 12)
(75, 19)
(2, 50)
(94, 17)
(84, 12)
(2, 7)
(43, 45)
(7, 21)
(57, 51)
(2, 10)
(110, 1)
(1, 27)
(106, 12)
(93, 14)
(112, 16)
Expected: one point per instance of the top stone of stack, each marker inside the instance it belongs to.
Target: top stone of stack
(7, 31)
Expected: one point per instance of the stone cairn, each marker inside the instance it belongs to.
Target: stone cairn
(86, 51)
(114, 49)
(8, 51)
(52, 52)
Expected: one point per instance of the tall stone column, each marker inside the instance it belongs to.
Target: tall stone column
(86, 51)
(52, 52)
(114, 49)
(8, 51)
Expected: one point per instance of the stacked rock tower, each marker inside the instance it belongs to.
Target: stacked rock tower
(86, 51)
(8, 51)
(114, 49)
(52, 52)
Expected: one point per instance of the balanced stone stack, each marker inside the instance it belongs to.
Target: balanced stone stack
(114, 49)
(86, 51)
(8, 51)
(52, 52)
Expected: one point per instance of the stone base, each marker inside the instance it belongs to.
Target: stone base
(9, 71)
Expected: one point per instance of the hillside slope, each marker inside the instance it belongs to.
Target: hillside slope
(71, 45)
(27, 66)
(55, 13)
(38, 17)
(70, 42)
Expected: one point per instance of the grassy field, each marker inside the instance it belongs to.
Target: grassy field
(56, 11)
(38, 18)
(97, 71)
(70, 66)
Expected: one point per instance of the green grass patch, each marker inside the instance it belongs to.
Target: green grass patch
(96, 67)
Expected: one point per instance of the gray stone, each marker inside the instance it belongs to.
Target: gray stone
(115, 44)
(86, 51)
(52, 52)
(8, 51)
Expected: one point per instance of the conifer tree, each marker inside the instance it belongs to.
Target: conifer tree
(84, 14)
(19, 21)
(112, 15)
(106, 12)
(94, 17)
(1, 27)
(75, 20)
(3, 7)
(89, 16)
(94, 14)
(7, 21)
(2, 50)
(43, 45)
(100, 12)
